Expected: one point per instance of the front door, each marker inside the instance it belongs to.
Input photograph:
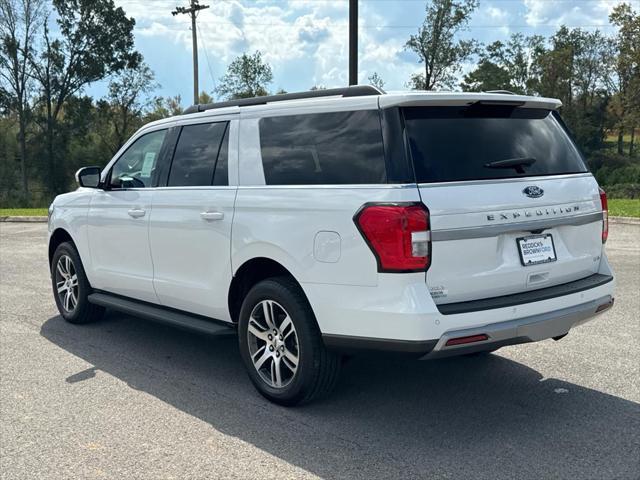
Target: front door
(118, 222)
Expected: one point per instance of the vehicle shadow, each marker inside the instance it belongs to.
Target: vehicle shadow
(480, 417)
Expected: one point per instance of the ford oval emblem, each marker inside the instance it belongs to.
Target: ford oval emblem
(532, 191)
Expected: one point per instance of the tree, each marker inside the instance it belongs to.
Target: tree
(247, 76)
(627, 72)
(164, 107)
(376, 80)
(436, 44)
(123, 106)
(507, 66)
(19, 21)
(96, 40)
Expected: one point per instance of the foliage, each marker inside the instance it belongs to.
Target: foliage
(507, 66)
(624, 207)
(436, 46)
(247, 76)
(376, 80)
(49, 127)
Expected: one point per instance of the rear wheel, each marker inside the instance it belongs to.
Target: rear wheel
(281, 344)
(71, 287)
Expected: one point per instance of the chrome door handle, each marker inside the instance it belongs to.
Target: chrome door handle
(210, 216)
(136, 212)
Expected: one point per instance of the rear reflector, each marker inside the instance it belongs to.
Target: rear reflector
(469, 339)
(605, 215)
(604, 306)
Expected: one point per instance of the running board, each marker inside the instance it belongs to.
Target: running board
(160, 314)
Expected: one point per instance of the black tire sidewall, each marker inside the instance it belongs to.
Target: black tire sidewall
(304, 322)
(79, 314)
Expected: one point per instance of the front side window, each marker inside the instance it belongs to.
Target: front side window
(136, 167)
(196, 155)
(323, 148)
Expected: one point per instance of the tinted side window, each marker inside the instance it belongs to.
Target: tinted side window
(221, 175)
(195, 157)
(136, 167)
(323, 148)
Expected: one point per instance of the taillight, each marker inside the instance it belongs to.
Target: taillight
(398, 235)
(605, 215)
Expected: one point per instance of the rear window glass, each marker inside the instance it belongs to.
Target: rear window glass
(486, 142)
(324, 148)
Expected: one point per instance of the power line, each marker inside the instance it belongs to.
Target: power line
(206, 55)
(192, 10)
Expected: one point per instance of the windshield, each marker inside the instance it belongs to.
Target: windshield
(479, 142)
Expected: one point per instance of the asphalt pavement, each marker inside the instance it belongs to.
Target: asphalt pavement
(129, 399)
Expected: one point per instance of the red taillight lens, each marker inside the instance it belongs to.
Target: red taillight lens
(398, 235)
(605, 215)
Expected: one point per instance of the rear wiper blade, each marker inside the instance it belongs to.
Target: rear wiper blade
(517, 163)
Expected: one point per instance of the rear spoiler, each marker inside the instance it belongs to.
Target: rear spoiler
(415, 99)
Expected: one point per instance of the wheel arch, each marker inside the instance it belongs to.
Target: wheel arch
(249, 274)
(59, 235)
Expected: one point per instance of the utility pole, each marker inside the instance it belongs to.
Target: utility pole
(353, 42)
(192, 10)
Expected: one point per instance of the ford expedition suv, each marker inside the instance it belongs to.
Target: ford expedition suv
(335, 221)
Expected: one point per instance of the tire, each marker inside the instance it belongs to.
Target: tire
(316, 370)
(71, 287)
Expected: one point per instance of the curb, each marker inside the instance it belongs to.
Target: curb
(625, 220)
(24, 219)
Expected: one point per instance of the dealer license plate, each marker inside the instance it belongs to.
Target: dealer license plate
(536, 249)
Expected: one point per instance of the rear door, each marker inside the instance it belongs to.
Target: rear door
(513, 207)
(190, 226)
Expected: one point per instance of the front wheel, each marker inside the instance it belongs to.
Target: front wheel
(281, 344)
(71, 287)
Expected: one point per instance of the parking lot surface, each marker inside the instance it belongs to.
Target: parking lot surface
(126, 398)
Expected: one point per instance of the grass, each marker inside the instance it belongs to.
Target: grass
(619, 207)
(23, 212)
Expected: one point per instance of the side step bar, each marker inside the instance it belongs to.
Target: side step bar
(160, 314)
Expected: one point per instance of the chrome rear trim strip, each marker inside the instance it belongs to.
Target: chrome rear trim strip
(495, 230)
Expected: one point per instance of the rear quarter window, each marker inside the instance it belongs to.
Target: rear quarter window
(323, 148)
(459, 143)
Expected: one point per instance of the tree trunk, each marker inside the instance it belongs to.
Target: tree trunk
(23, 154)
(620, 141)
(631, 143)
(51, 162)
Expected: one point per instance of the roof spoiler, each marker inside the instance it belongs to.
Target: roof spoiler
(353, 91)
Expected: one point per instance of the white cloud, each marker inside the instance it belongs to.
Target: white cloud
(576, 13)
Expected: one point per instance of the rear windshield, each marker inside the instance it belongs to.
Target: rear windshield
(487, 141)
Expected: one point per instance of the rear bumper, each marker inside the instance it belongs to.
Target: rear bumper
(522, 330)
(529, 329)
(399, 314)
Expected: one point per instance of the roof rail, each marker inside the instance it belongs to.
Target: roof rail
(504, 92)
(353, 91)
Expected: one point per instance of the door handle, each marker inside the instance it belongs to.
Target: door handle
(136, 212)
(210, 216)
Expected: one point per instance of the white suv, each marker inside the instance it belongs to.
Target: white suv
(329, 222)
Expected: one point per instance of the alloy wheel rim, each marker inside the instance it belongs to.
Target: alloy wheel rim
(273, 344)
(67, 283)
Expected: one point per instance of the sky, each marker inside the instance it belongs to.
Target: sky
(306, 41)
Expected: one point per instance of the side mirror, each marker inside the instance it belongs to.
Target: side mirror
(88, 177)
